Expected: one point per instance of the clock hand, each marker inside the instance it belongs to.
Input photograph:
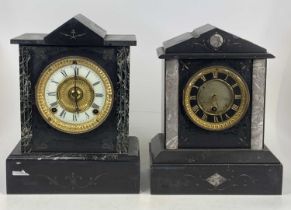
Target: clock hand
(75, 89)
(214, 103)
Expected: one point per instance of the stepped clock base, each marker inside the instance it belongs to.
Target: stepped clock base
(35, 173)
(221, 171)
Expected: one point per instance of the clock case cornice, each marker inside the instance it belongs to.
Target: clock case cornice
(78, 31)
(196, 45)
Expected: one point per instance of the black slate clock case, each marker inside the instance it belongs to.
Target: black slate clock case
(186, 159)
(104, 160)
(236, 137)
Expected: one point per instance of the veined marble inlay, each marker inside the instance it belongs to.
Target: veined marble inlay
(122, 99)
(258, 104)
(25, 99)
(171, 106)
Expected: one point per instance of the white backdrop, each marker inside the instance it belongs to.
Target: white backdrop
(264, 22)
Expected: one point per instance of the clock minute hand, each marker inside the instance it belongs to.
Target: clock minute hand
(75, 89)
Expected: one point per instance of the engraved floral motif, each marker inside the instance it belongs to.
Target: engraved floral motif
(73, 180)
(73, 34)
(216, 179)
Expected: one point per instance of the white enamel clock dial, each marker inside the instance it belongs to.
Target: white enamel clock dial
(74, 95)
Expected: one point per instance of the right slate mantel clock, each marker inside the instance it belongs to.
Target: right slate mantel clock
(214, 106)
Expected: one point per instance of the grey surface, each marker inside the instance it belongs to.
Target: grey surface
(258, 103)
(171, 102)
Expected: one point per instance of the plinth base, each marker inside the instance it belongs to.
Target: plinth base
(34, 173)
(213, 171)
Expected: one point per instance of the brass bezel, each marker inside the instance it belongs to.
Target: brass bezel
(44, 108)
(245, 99)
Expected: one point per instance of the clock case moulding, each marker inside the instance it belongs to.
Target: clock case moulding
(186, 159)
(105, 160)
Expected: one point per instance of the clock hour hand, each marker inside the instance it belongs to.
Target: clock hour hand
(214, 103)
(75, 89)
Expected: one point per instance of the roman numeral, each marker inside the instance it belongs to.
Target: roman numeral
(226, 77)
(95, 106)
(203, 78)
(54, 104)
(194, 86)
(76, 71)
(51, 93)
(204, 117)
(87, 115)
(55, 82)
(221, 118)
(215, 74)
(96, 83)
(63, 114)
(237, 97)
(226, 115)
(193, 97)
(234, 85)
(75, 117)
(195, 109)
(215, 119)
(88, 74)
(64, 73)
(234, 107)
(99, 95)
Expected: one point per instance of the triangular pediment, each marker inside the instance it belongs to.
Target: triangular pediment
(209, 39)
(79, 30)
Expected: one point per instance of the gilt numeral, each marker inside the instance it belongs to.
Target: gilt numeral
(215, 119)
(195, 109)
(193, 97)
(203, 78)
(215, 74)
(227, 117)
(234, 85)
(221, 118)
(237, 97)
(204, 117)
(234, 107)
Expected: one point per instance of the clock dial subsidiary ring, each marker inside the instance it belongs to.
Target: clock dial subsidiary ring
(216, 98)
(74, 94)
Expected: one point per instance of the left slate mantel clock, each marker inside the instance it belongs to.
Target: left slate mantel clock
(74, 99)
